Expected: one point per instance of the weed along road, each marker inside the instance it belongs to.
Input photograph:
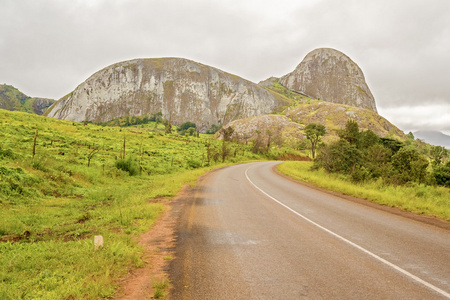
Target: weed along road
(249, 233)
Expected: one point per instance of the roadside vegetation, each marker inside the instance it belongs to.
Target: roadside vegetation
(62, 183)
(410, 175)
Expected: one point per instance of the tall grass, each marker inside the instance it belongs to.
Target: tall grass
(421, 199)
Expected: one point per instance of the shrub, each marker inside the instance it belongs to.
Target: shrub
(186, 126)
(14, 182)
(213, 129)
(339, 157)
(38, 165)
(7, 153)
(442, 174)
(360, 174)
(409, 165)
(128, 165)
(193, 163)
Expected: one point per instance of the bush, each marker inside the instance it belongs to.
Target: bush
(14, 182)
(128, 165)
(339, 157)
(363, 155)
(193, 163)
(213, 129)
(360, 174)
(442, 174)
(186, 126)
(409, 165)
(7, 153)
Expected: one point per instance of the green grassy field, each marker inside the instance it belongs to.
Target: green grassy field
(52, 205)
(421, 199)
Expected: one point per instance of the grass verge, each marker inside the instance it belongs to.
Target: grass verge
(420, 199)
(57, 260)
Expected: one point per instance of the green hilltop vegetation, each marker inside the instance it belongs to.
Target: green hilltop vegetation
(286, 127)
(62, 183)
(12, 99)
(333, 116)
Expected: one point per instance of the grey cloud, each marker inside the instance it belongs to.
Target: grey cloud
(48, 47)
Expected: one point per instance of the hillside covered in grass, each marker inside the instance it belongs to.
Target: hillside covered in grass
(13, 99)
(62, 183)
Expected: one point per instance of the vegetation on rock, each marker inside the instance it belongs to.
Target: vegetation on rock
(14, 100)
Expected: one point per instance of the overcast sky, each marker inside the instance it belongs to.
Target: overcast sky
(48, 47)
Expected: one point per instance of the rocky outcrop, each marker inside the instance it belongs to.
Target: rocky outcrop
(181, 89)
(274, 125)
(329, 75)
(13, 99)
(288, 129)
(334, 117)
(40, 105)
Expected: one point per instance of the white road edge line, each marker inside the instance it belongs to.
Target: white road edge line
(425, 283)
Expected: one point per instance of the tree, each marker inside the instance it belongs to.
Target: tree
(410, 165)
(258, 144)
(441, 174)
(213, 129)
(269, 139)
(314, 132)
(351, 132)
(437, 154)
(410, 136)
(186, 126)
(391, 144)
(34, 143)
(367, 139)
(191, 131)
(168, 129)
(340, 157)
(227, 133)
(157, 118)
(91, 155)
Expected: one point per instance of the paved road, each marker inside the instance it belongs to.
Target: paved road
(251, 234)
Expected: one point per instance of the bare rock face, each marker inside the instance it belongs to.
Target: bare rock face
(329, 75)
(40, 105)
(181, 89)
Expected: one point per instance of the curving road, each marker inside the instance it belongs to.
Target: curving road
(249, 233)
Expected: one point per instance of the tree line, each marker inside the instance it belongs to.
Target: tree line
(364, 156)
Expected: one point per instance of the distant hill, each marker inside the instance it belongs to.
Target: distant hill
(13, 99)
(434, 138)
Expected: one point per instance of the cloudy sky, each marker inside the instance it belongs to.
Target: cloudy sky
(48, 47)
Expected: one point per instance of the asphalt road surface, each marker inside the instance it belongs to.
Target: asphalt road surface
(249, 233)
